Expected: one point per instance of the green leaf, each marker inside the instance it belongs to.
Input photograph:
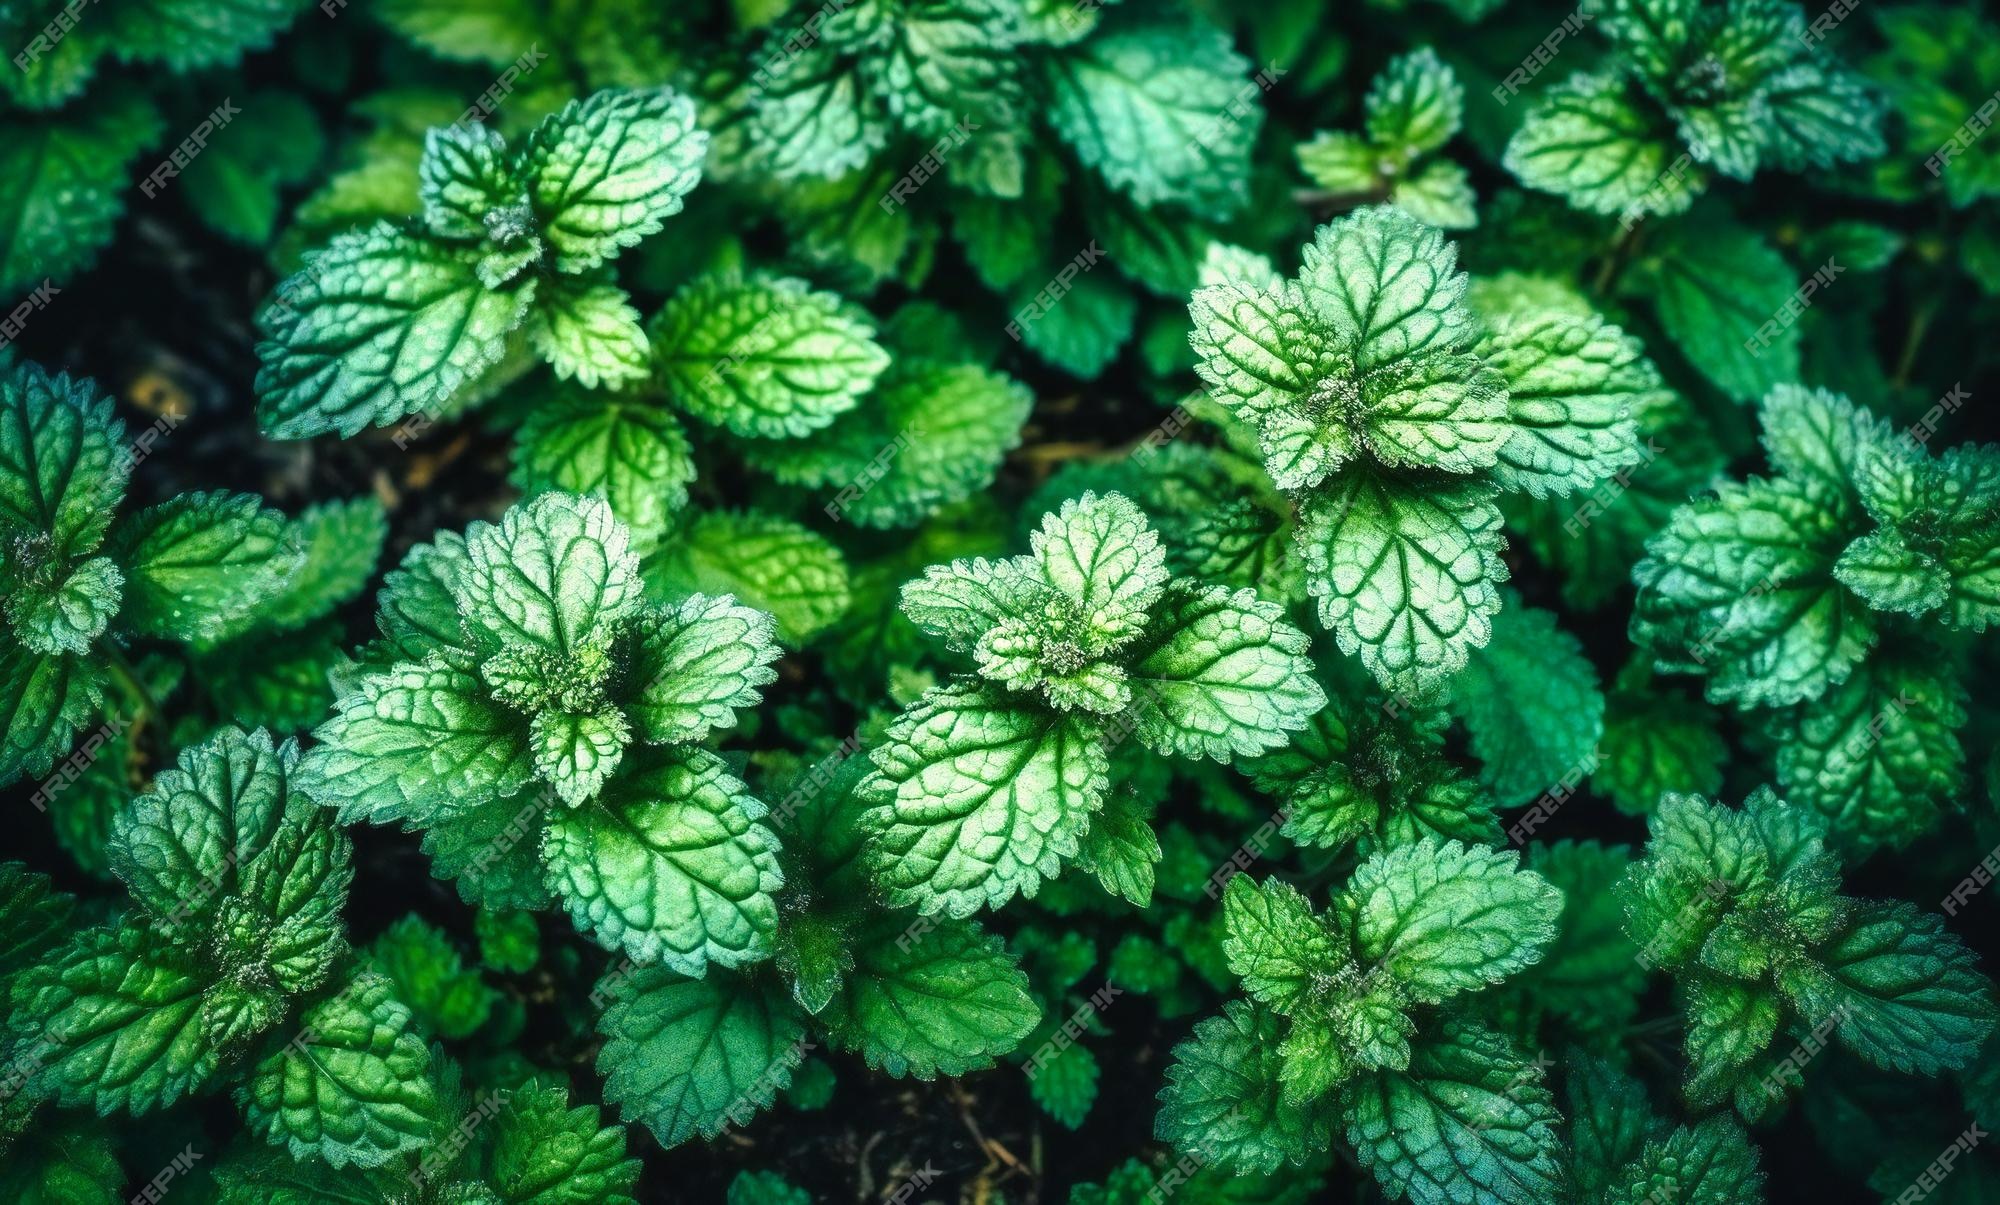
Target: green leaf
(1655, 742)
(427, 970)
(1081, 330)
(1406, 571)
(546, 1153)
(1121, 850)
(273, 143)
(574, 753)
(1153, 106)
(608, 170)
(770, 564)
(1574, 386)
(977, 797)
(1712, 1163)
(1101, 554)
(1223, 1104)
(221, 846)
(1066, 1086)
(930, 997)
(415, 742)
(63, 182)
(1415, 105)
(590, 332)
(670, 865)
(929, 435)
(380, 325)
(1739, 586)
(71, 617)
(1878, 755)
(464, 176)
(1276, 945)
(44, 699)
(1589, 141)
(765, 1188)
(34, 918)
(1718, 289)
(1532, 703)
(693, 666)
(353, 1088)
(1221, 675)
(199, 567)
(113, 1020)
(66, 1162)
(628, 451)
(509, 942)
(1909, 993)
(1468, 1120)
(341, 542)
(763, 356)
(1446, 918)
(694, 1056)
(63, 462)
(555, 573)
(1609, 1121)
(1590, 977)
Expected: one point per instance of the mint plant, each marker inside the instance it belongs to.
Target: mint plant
(914, 996)
(1380, 403)
(1744, 910)
(203, 570)
(1341, 1033)
(1692, 91)
(990, 782)
(509, 255)
(231, 964)
(1413, 108)
(1815, 596)
(541, 722)
(1130, 602)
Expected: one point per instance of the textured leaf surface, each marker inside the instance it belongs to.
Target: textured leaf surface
(694, 1056)
(380, 325)
(930, 998)
(354, 1088)
(670, 865)
(979, 797)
